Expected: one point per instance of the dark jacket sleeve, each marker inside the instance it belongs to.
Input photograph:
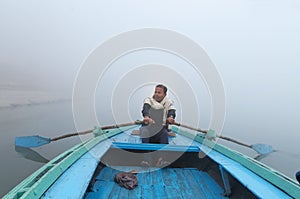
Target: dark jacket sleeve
(146, 110)
(171, 112)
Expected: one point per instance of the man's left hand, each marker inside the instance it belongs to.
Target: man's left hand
(170, 120)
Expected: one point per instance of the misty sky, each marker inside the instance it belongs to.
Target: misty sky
(254, 45)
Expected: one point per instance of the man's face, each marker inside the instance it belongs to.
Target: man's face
(159, 94)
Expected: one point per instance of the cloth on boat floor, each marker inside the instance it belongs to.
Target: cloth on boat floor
(126, 179)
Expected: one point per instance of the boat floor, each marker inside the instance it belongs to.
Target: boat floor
(157, 183)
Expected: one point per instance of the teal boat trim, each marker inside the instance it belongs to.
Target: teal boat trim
(255, 176)
(36, 184)
(74, 182)
(154, 147)
(273, 176)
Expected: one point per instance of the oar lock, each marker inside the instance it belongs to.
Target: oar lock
(98, 131)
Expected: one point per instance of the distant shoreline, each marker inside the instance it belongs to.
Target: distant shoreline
(13, 97)
(33, 104)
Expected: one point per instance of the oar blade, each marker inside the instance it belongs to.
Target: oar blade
(262, 148)
(31, 141)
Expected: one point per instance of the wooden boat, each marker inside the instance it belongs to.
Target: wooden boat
(194, 167)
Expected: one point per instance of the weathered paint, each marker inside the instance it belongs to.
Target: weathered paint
(74, 181)
(162, 183)
(238, 165)
(36, 184)
(276, 178)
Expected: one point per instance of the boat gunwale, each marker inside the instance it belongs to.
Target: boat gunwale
(271, 175)
(31, 186)
(50, 172)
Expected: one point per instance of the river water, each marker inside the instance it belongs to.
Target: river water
(55, 119)
(49, 120)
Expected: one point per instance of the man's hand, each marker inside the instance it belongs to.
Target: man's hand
(170, 120)
(147, 120)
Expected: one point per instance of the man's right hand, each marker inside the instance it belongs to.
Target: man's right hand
(147, 120)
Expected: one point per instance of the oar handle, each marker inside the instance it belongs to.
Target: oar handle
(220, 136)
(71, 134)
(189, 127)
(91, 130)
(233, 140)
(259, 148)
(121, 125)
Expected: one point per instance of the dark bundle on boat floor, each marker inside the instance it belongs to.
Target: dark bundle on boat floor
(170, 183)
(189, 176)
(126, 179)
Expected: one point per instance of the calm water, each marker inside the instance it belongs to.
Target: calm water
(48, 120)
(56, 119)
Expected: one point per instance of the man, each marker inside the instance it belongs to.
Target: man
(158, 101)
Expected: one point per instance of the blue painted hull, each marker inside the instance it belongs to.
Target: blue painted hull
(87, 171)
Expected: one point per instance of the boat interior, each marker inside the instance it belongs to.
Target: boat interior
(163, 171)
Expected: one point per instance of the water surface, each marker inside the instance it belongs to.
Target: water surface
(48, 120)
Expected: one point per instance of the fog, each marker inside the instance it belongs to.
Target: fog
(254, 45)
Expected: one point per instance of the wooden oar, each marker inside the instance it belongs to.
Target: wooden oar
(36, 140)
(259, 148)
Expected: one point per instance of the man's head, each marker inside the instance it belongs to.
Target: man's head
(160, 92)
